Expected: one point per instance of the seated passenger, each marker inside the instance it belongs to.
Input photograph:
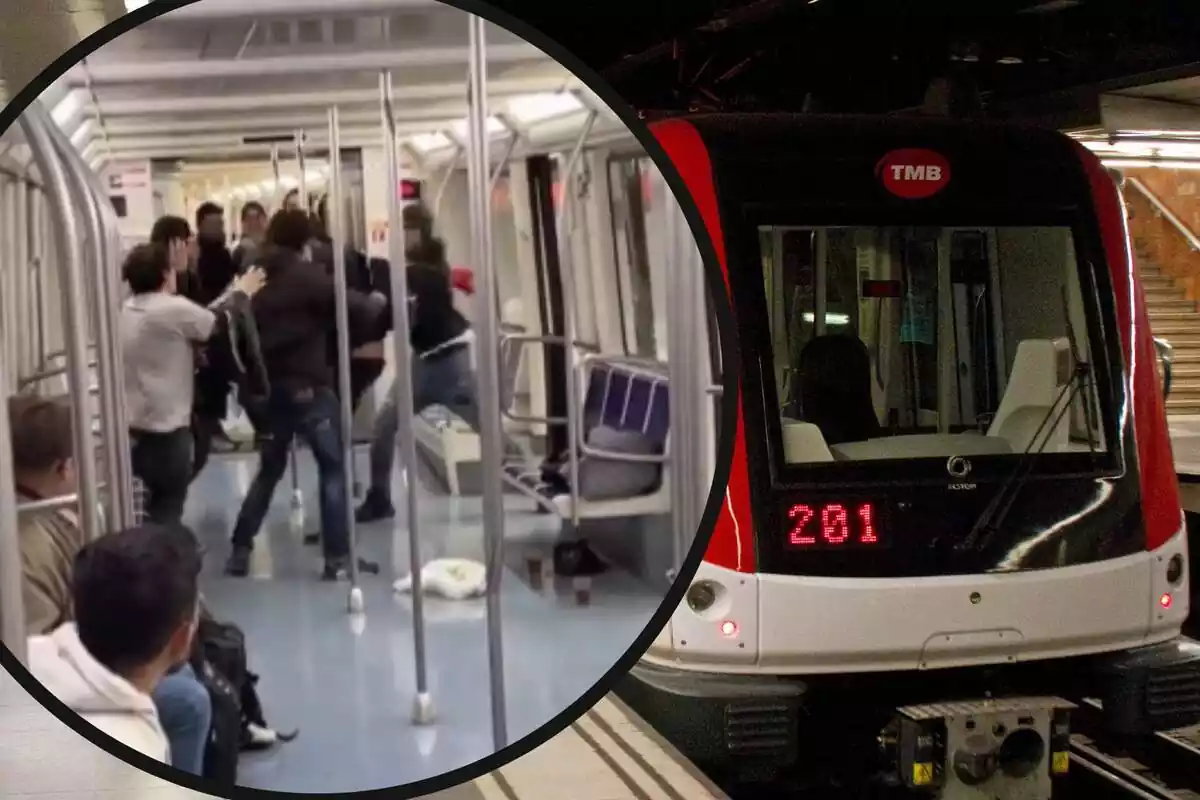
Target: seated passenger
(296, 313)
(50, 542)
(158, 331)
(835, 389)
(136, 600)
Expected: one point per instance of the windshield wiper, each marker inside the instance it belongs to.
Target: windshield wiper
(997, 509)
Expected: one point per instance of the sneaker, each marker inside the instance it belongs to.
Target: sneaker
(238, 565)
(336, 569)
(375, 507)
(256, 737)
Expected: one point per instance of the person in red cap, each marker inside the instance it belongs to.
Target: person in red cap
(441, 338)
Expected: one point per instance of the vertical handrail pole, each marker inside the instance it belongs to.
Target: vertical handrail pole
(677, 358)
(65, 229)
(444, 181)
(37, 259)
(491, 432)
(12, 601)
(104, 311)
(405, 443)
(509, 148)
(278, 198)
(566, 260)
(300, 165)
(337, 236)
(112, 285)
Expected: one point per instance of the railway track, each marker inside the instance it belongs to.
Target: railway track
(1164, 766)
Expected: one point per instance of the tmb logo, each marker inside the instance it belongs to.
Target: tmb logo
(913, 173)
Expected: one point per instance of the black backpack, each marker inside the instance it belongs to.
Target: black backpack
(219, 659)
(225, 734)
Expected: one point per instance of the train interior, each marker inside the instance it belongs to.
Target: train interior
(603, 350)
(966, 341)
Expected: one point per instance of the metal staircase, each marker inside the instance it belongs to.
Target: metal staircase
(1175, 318)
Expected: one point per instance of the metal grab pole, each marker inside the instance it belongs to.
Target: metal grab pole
(681, 340)
(509, 149)
(12, 601)
(112, 285)
(490, 431)
(303, 187)
(112, 419)
(275, 174)
(337, 236)
(566, 259)
(423, 706)
(74, 312)
(445, 180)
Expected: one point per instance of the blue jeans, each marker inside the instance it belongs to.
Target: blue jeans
(315, 416)
(185, 712)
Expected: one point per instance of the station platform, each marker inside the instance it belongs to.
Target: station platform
(1185, 443)
(607, 754)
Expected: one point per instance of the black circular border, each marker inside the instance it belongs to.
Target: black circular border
(731, 368)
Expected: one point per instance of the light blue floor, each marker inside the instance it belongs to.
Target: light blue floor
(350, 692)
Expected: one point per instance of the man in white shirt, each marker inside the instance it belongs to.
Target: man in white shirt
(136, 600)
(159, 330)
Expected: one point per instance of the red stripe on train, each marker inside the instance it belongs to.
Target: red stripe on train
(732, 542)
(1156, 465)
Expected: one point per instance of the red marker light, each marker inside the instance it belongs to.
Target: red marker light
(729, 628)
(1165, 601)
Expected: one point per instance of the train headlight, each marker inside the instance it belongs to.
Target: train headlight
(701, 596)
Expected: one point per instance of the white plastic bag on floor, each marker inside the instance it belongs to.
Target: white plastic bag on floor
(451, 578)
(237, 425)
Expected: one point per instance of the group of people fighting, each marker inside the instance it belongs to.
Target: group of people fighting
(112, 621)
(187, 298)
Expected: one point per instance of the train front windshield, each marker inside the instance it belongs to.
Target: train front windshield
(903, 343)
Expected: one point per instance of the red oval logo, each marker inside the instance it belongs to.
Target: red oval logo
(913, 173)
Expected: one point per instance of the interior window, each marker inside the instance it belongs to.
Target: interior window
(909, 342)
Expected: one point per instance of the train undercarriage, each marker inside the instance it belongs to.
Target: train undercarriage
(1011, 732)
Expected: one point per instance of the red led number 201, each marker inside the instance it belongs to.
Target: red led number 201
(834, 524)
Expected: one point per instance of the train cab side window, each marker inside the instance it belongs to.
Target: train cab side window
(927, 342)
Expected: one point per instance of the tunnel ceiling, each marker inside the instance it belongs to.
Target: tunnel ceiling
(1023, 58)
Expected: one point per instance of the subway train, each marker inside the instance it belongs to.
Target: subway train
(952, 513)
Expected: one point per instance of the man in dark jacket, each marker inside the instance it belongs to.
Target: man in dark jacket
(215, 269)
(367, 359)
(298, 312)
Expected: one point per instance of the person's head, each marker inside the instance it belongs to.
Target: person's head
(290, 230)
(254, 221)
(210, 223)
(174, 235)
(136, 599)
(291, 201)
(42, 447)
(148, 268)
(418, 224)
